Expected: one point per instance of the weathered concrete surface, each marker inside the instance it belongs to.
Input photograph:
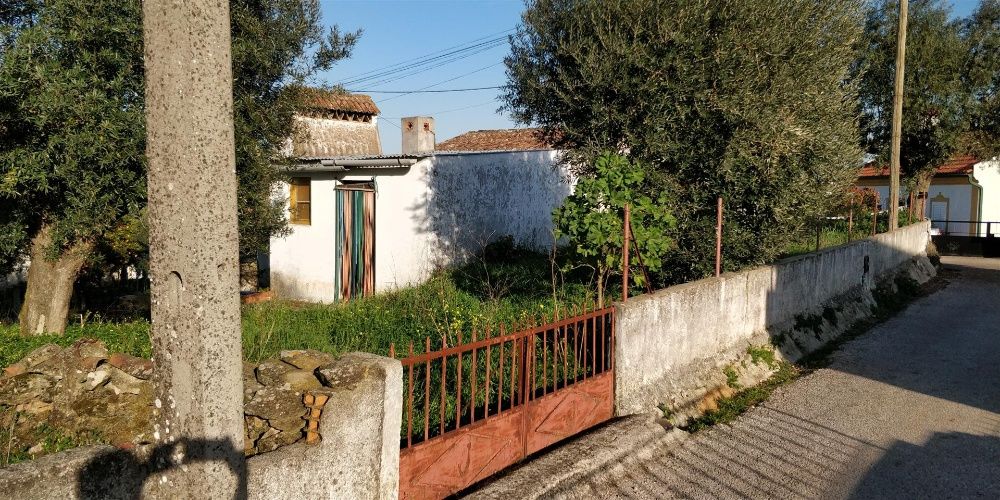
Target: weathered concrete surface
(910, 410)
(561, 467)
(673, 344)
(193, 254)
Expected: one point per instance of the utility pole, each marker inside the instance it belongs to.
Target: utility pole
(193, 251)
(897, 118)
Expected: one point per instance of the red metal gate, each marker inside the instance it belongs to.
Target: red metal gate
(474, 409)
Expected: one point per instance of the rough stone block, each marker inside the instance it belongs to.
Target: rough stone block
(307, 359)
(358, 456)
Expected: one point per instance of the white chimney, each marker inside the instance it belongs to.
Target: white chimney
(418, 135)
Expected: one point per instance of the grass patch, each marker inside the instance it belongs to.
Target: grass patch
(502, 286)
(732, 407)
(762, 354)
(732, 379)
(48, 440)
(130, 338)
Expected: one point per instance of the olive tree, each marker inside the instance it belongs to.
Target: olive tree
(750, 100)
(72, 136)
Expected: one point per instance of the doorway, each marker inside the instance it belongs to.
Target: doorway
(355, 244)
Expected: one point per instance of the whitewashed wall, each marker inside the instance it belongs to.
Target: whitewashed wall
(436, 213)
(959, 202)
(449, 206)
(302, 263)
(988, 175)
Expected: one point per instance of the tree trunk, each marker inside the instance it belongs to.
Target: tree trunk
(50, 285)
(923, 185)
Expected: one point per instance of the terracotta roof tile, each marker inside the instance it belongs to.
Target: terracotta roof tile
(957, 165)
(334, 101)
(496, 140)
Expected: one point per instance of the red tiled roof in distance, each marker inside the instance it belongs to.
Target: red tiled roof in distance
(518, 139)
(957, 165)
(335, 101)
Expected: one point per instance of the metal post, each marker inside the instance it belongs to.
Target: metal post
(625, 252)
(850, 225)
(718, 238)
(897, 118)
(193, 251)
(875, 217)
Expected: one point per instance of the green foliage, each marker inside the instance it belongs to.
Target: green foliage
(592, 219)
(762, 354)
(72, 129)
(751, 100)
(952, 76)
(982, 32)
(934, 95)
(730, 408)
(72, 132)
(732, 378)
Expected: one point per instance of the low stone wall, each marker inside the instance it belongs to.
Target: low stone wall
(356, 457)
(86, 394)
(676, 345)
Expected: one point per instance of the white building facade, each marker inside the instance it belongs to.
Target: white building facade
(422, 210)
(964, 195)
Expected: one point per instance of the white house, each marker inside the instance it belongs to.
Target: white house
(964, 194)
(366, 223)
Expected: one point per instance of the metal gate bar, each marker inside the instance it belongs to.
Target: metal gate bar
(488, 403)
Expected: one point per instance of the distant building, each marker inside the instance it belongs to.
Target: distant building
(964, 194)
(363, 222)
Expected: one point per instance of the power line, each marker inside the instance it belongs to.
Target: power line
(495, 99)
(422, 91)
(417, 69)
(463, 75)
(489, 41)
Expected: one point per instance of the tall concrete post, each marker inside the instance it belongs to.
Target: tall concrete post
(193, 251)
(897, 118)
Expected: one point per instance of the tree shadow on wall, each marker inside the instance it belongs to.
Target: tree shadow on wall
(471, 199)
(121, 474)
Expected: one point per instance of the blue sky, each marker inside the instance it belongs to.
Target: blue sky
(396, 31)
(401, 30)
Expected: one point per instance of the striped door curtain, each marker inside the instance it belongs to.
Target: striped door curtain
(355, 240)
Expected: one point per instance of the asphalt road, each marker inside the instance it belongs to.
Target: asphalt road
(908, 410)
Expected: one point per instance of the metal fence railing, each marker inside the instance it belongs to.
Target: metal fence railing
(981, 229)
(453, 387)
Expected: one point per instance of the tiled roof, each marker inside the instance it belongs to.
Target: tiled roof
(496, 140)
(334, 101)
(957, 165)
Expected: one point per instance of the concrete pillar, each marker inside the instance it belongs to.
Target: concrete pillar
(193, 251)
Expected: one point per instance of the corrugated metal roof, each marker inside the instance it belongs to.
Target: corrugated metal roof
(366, 157)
